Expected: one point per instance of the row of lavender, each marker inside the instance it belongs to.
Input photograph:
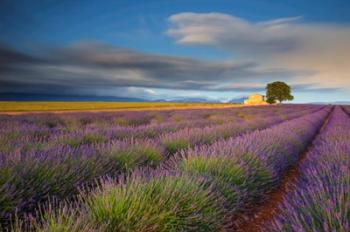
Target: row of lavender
(31, 133)
(40, 131)
(321, 199)
(199, 189)
(31, 177)
(18, 141)
(120, 122)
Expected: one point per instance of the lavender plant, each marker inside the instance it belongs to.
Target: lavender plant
(320, 200)
(46, 156)
(207, 184)
(253, 163)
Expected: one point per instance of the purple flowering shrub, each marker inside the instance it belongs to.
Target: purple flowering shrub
(320, 200)
(197, 189)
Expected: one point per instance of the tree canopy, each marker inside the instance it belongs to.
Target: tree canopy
(278, 91)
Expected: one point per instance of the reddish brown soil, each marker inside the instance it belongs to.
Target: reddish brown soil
(253, 221)
(266, 211)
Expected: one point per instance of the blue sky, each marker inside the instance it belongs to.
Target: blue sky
(162, 49)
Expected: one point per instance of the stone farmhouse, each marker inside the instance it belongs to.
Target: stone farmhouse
(255, 99)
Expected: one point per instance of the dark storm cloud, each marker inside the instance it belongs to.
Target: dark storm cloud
(91, 67)
(10, 59)
(7, 55)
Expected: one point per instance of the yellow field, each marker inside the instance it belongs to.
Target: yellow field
(41, 106)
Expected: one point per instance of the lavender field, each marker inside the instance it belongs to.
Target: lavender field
(175, 170)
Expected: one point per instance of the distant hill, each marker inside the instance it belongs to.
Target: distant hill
(185, 99)
(204, 100)
(54, 97)
(237, 100)
(57, 97)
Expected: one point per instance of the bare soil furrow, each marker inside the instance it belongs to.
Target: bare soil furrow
(264, 212)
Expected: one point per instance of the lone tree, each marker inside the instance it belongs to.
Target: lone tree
(278, 91)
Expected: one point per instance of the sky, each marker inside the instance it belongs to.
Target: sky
(159, 49)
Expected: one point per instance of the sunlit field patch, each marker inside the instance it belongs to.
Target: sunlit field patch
(28, 106)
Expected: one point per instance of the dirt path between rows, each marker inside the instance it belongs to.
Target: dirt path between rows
(253, 221)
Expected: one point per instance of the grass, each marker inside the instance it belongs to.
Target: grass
(175, 145)
(164, 203)
(86, 139)
(231, 174)
(134, 156)
(39, 106)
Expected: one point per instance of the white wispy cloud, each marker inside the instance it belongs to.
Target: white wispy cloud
(287, 43)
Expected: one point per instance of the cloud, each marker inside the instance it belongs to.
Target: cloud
(151, 92)
(230, 32)
(93, 68)
(288, 43)
(313, 58)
